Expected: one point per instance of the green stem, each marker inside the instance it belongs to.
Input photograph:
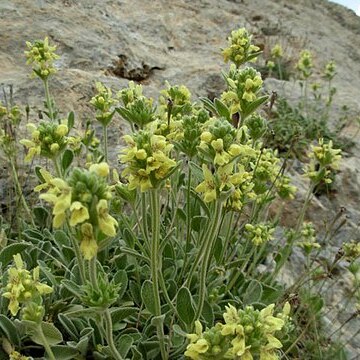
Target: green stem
(144, 216)
(155, 264)
(45, 343)
(109, 335)
(57, 167)
(93, 273)
(227, 238)
(19, 192)
(78, 255)
(48, 100)
(207, 257)
(188, 224)
(105, 142)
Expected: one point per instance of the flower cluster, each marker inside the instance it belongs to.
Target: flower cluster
(235, 185)
(308, 238)
(246, 334)
(323, 160)
(103, 102)
(24, 287)
(41, 56)
(266, 167)
(14, 355)
(305, 64)
(9, 120)
(240, 49)
(103, 296)
(260, 233)
(147, 160)
(188, 135)
(48, 139)
(217, 143)
(136, 109)
(284, 188)
(330, 70)
(256, 125)
(277, 51)
(351, 250)
(243, 88)
(85, 196)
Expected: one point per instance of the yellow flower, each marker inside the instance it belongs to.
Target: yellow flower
(107, 223)
(14, 304)
(47, 177)
(101, 169)
(14, 355)
(60, 196)
(221, 156)
(195, 349)
(208, 186)
(79, 213)
(62, 130)
(54, 148)
(88, 245)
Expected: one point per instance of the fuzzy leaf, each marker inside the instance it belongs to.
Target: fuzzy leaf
(63, 352)
(184, 306)
(7, 253)
(52, 334)
(9, 330)
(148, 296)
(67, 159)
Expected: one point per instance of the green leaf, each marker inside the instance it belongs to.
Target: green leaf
(71, 120)
(78, 311)
(67, 159)
(9, 330)
(69, 327)
(38, 173)
(47, 272)
(253, 106)
(253, 292)
(122, 313)
(51, 333)
(208, 105)
(41, 215)
(121, 278)
(197, 222)
(158, 320)
(72, 287)
(148, 296)
(184, 306)
(7, 253)
(208, 313)
(222, 109)
(63, 352)
(124, 344)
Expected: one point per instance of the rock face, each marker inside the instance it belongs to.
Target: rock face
(179, 41)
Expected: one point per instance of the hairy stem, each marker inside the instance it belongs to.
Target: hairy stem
(155, 264)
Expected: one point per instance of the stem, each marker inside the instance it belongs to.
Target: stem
(109, 335)
(207, 256)
(79, 258)
(57, 167)
(48, 100)
(155, 264)
(105, 142)
(19, 192)
(45, 343)
(188, 224)
(227, 238)
(144, 216)
(93, 273)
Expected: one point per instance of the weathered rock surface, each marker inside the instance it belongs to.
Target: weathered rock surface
(179, 41)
